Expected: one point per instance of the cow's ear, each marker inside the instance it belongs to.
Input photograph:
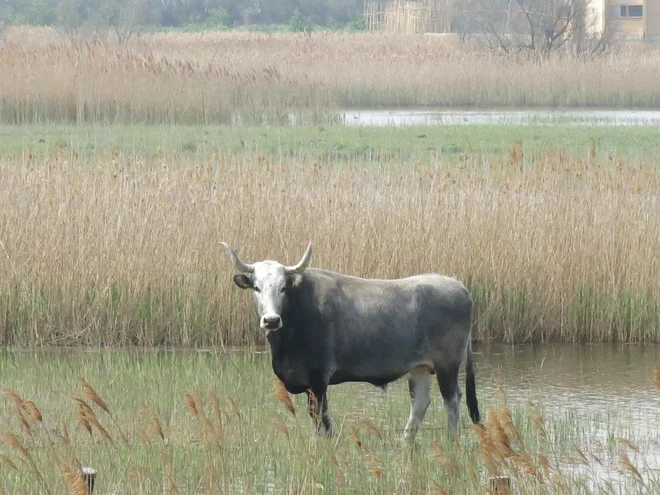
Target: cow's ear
(243, 281)
(294, 280)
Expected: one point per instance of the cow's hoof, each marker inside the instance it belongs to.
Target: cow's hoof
(324, 432)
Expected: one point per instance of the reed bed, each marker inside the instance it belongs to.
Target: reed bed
(125, 251)
(224, 77)
(220, 424)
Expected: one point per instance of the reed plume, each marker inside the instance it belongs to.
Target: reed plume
(282, 395)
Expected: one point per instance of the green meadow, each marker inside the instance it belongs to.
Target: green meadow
(329, 142)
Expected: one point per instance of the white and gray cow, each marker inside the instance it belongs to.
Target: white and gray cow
(325, 328)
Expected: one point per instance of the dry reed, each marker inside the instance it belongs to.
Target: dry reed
(156, 426)
(88, 419)
(32, 410)
(213, 77)
(282, 395)
(91, 394)
(73, 480)
(439, 455)
(215, 405)
(127, 252)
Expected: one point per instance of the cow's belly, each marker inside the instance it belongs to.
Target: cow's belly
(374, 358)
(377, 371)
(377, 380)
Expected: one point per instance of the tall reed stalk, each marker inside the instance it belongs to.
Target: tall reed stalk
(126, 251)
(225, 77)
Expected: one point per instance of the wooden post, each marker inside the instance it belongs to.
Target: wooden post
(501, 485)
(89, 477)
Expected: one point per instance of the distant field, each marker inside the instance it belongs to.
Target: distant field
(110, 235)
(213, 77)
(330, 142)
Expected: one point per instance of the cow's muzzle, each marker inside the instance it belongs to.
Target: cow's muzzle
(271, 322)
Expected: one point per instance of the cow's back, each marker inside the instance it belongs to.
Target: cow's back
(384, 327)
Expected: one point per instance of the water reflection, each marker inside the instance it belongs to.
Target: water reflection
(580, 378)
(576, 380)
(397, 118)
(597, 389)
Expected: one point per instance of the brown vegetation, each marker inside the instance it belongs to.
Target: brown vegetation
(126, 252)
(212, 77)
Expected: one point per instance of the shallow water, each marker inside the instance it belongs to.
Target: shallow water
(576, 379)
(579, 378)
(450, 117)
(598, 387)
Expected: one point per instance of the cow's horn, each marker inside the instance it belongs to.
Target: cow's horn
(238, 264)
(300, 267)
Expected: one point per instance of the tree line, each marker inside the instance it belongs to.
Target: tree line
(181, 14)
(539, 26)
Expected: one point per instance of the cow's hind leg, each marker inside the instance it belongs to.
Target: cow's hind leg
(419, 385)
(451, 393)
(317, 405)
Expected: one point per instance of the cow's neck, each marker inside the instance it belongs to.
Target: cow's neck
(283, 339)
(279, 340)
(286, 343)
(286, 360)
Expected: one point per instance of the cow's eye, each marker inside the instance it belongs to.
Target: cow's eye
(283, 289)
(257, 289)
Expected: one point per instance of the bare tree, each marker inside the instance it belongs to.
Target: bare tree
(125, 32)
(538, 26)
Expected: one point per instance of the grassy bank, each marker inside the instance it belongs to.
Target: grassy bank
(329, 142)
(121, 247)
(207, 423)
(213, 77)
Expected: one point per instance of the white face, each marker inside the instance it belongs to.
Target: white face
(269, 284)
(270, 281)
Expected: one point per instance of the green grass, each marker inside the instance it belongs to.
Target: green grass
(261, 447)
(328, 142)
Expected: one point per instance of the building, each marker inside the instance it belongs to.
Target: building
(408, 16)
(633, 18)
(637, 19)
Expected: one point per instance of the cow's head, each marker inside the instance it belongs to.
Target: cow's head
(269, 281)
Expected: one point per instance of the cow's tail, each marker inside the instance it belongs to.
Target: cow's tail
(470, 387)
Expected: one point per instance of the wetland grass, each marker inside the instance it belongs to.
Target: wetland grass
(198, 423)
(107, 245)
(224, 77)
(122, 249)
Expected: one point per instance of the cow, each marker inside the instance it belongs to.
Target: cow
(326, 328)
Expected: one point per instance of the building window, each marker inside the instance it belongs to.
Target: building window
(628, 11)
(635, 11)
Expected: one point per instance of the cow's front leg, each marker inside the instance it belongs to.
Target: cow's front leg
(317, 405)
